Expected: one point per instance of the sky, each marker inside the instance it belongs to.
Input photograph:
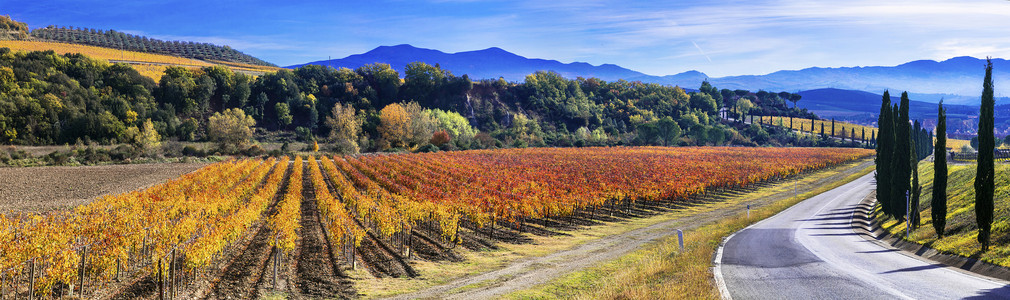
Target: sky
(717, 37)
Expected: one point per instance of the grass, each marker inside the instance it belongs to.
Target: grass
(961, 229)
(660, 270)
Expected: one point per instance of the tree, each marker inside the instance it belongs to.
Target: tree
(885, 151)
(743, 106)
(439, 138)
(345, 126)
(420, 124)
(902, 152)
(916, 190)
(230, 129)
(394, 125)
(938, 204)
(704, 102)
(795, 98)
(669, 131)
(984, 176)
(283, 112)
(456, 125)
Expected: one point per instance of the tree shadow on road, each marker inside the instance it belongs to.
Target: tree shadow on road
(997, 293)
(919, 268)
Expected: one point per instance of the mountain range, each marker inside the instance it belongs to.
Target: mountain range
(957, 80)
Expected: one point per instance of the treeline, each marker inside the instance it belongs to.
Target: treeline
(901, 146)
(119, 40)
(46, 98)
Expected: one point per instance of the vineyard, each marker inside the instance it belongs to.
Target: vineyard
(838, 129)
(842, 130)
(240, 227)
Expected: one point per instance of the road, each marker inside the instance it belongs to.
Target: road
(810, 251)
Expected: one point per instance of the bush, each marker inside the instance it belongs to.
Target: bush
(58, 158)
(304, 135)
(192, 151)
(427, 148)
(254, 150)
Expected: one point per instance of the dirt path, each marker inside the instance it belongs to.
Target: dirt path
(529, 272)
(317, 274)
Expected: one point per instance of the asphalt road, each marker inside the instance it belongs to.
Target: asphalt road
(810, 251)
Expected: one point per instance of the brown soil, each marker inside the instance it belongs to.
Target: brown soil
(54, 188)
(317, 273)
(250, 268)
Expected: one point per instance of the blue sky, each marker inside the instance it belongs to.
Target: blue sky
(718, 37)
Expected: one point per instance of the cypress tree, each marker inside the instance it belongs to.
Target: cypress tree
(884, 153)
(916, 190)
(938, 204)
(852, 135)
(902, 153)
(984, 176)
(832, 126)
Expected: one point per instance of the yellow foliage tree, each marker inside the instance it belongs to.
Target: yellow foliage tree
(345, 126)
(394, 124)
(231, 128)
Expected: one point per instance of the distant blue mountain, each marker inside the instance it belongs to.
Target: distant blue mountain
(957, 80)
(490, 63)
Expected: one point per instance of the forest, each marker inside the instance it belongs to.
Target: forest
(48, 98)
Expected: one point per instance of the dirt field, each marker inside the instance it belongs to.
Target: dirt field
(55, 188)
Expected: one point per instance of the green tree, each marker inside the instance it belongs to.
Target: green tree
(743, 106)
(902, 153)
(938, 204)
(668, 130)
(985, 174)
(704, 102)
(916, 190)
(795, 98)
(885, 150)
(384, 80)
(283, 112)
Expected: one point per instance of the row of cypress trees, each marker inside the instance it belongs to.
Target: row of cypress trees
(892, 181)
(900, 146)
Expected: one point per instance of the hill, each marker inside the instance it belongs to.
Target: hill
(961, 228)
(148, 64)
(956, 80)
(14, 30)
